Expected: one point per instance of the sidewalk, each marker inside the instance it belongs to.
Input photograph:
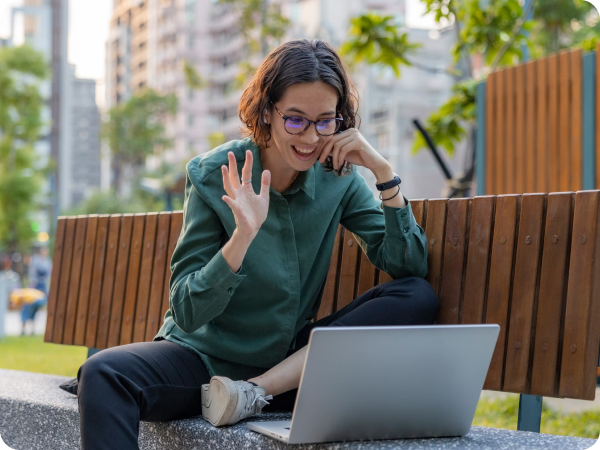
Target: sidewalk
(13, 323)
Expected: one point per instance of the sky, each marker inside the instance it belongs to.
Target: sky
(88, 31)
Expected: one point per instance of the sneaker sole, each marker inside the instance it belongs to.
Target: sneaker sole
(220, 391)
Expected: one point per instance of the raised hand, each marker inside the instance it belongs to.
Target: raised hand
(250, 210)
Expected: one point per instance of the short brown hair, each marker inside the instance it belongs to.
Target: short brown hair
(300, 61)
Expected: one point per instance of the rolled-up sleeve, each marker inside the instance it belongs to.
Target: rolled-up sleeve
(202, 283)
(390, 237)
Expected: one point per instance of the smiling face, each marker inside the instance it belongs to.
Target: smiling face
(314, 101)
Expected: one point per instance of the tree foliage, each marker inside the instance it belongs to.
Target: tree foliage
(260, 22)
(22, 70)
(445, 126)
(136, 129)
(375, 39)
(497, 31)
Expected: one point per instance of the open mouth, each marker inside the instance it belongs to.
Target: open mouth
(304, 154)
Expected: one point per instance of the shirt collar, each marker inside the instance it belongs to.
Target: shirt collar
(304, 181)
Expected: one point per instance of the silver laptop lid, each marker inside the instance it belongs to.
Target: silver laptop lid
(391, 382)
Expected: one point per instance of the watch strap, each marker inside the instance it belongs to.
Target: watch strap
(389, 184)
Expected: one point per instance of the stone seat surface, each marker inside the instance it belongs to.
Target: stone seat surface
(36, 414)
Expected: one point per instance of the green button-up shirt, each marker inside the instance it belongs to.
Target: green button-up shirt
(243, 323)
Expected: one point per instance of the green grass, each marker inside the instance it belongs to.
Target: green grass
(32, 354)
(503, 413)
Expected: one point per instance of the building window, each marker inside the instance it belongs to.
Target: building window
(190, 94)
(191, 42)
(191, 120)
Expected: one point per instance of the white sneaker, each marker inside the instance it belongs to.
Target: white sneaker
(225, 402)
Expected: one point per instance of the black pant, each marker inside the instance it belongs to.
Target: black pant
(161, 380)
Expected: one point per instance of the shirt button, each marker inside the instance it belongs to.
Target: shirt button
(405, 230)
(230, 290)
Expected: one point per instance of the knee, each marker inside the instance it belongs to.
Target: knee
(424, 298)
(93, 372)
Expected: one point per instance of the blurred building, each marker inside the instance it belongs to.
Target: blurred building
(85, 140)
(150, 41)
(43, 24)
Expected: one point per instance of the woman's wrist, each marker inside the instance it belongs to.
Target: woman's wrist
(383, 174)
(235, 249)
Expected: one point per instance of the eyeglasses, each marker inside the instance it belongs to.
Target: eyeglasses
(299, 124)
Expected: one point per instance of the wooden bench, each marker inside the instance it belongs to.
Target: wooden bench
(530, 263)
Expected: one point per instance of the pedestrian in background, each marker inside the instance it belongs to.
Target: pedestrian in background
(40, 270)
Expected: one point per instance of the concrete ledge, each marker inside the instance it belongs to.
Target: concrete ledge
(36, 414)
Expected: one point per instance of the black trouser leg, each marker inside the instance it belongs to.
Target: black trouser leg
(150, 381)
(406, 301)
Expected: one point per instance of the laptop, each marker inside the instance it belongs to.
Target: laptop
(364, 383)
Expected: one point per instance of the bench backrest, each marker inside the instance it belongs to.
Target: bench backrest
(530, 263)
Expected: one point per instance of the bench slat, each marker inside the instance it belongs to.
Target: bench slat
(476, 272)
(453, 261)
(551, 294)
(578, 332)
(366, 275)
(108, 283)
(350, 249)
(436, 222)
(176, 224)
(145, 278)
(329, 291)
(158, 270)
(523, 299)
(121, 270)
(91, 326)
(133, 278)
(418, 208)
(501, 266)
(540, 126)
(75, 280)
(86, 279)
(59, 243)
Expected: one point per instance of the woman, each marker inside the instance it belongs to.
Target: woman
(250, 265)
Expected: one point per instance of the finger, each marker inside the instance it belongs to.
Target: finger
(247, 169)
(265, 183)
(328, 146)
(227, 182)
(231, 203)
(335, 152)
(233, 171)
(344, 150)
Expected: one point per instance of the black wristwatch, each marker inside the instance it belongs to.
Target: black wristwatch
(389, 184)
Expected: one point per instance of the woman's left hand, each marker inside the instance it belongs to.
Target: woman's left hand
(350, 145)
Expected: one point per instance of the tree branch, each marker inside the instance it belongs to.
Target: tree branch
(516, 31)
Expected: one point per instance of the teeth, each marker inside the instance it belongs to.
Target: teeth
(306, 152)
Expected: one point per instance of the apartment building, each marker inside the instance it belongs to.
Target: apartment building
(151, 40)
(149, 43)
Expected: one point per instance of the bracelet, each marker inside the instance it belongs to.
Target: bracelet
(386, 199)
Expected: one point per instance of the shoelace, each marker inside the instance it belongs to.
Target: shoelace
(255, 402)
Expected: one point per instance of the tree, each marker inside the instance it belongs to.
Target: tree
(22, 70)
(497, 31)
(135, 129)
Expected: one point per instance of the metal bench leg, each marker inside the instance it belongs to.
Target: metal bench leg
(530, 413)
(92, 351)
